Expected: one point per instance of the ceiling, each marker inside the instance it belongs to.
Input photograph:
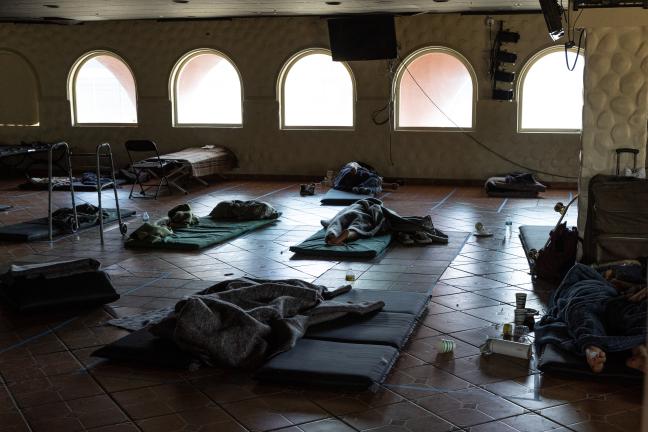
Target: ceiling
(93, 10)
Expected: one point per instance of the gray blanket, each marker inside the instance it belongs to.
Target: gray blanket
(369, 217)
(243, 322)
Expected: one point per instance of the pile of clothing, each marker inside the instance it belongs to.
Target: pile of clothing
(369, 217)
(595, 312)
(243, 322)
(87, 214)
(514, 185)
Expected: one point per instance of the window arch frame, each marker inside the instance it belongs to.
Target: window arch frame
(173, 89)
(37, 83)
(281, 96)
(519, 86)
(401, 71)
(71, 88)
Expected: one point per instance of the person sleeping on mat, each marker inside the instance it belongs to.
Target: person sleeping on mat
(596, 312)
(368, 218)
(360, 178)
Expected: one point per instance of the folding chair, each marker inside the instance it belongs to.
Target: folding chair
(154, 166)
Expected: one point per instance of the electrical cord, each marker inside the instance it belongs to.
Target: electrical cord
(476, 141)
(570, 36)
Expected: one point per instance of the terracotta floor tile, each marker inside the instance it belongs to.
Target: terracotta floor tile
(326, 425)
(159, 400)
(403, 416)
(57, 388)
(341, 403)
(453, 322)
(77, 414)
(469, 407)
(265, 413)
(205, 418)
(522, 423)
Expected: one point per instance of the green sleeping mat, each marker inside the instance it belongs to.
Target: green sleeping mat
(361, 248)
(207, 233)
(38, 229)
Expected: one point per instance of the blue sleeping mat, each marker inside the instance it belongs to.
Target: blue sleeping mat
(334, 364)
(395, 301)
(361, 248)
(336, 197)
(38, 229)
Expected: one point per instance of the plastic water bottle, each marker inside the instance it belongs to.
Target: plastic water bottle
(145, 217)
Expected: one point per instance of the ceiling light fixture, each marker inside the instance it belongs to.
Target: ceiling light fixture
(333, 3)
(181, 1)
(51, 6)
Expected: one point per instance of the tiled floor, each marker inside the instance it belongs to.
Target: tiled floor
(49, 382)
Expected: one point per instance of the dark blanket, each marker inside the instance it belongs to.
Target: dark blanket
(586, 310)
(243, 322)
(243, 211)
(515, 183)
(86, 213)
(368, 218)
(359, 178)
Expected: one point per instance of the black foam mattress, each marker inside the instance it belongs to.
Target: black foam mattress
(326, 363)
(75, 291)
(555, 360)
(353, 352)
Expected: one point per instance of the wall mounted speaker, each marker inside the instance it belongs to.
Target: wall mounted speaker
(506, 57)
(503, 95)
(504, 76)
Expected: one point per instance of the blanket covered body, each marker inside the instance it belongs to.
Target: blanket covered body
(359, 178)
(368, 218)
(243, 322)
(586, 310)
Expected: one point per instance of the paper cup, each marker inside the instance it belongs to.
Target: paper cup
(520, 316)
(520, 300)
(445, 346)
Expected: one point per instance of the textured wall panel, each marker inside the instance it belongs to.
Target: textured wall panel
(616, 101)
(259, 47)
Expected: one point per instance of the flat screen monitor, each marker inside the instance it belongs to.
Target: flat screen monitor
(367, 37)
(553, 16)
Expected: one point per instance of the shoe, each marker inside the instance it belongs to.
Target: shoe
(307, 189)
(404, 239)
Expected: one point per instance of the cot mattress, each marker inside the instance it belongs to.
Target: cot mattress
(74, 291)
(207, 233)
(335, 197)
(327, 363)
(362, 248)
(395, 301)
(38, 229)
(534, 236)
(382, 328)
(555, 360)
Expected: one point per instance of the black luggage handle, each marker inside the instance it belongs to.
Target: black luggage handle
(622, 150)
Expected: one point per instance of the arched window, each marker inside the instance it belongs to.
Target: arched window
(315, 92)
(435, 87)
(19, 90)
(550, 96)
(205, 90)
(101, 90)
